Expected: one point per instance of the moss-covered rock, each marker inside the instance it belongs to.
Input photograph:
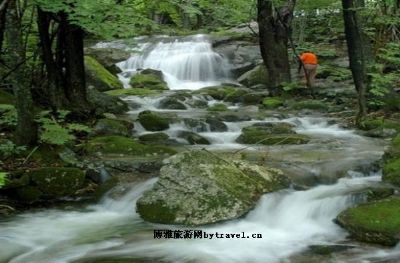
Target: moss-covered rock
(47, 183)
(154, 138)
(100, 77)
(218, 107)
(256, 76)
(310, 105)
(272, 103)
(104, 103)
(108, 57)
(391, 171)
(216, 125)
(123, 146)
(376, 222)
(132, 92)
(217, 92)
(171, 103)
(150, 79)
(198, 187)
(152, 121)
(271, 134)
(193, 138)
(236, 96)
(380, 124)
(112, 127)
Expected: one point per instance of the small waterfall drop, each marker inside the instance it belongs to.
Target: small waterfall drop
(188, 63)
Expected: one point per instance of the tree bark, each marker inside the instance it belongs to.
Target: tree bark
(3, 11)
(75, 67)
(26, 131)
(53, 71)
(356, 50)
(274, 31)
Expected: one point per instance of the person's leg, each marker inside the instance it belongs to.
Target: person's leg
(311, 73)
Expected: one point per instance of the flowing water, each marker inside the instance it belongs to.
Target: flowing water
(289, 221)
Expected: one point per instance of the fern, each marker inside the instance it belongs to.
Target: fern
(55, 134)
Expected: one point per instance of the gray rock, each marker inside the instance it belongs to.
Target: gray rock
(198, 187)
(171, 104)
(104, 103)
(193, 138)
(216, 125)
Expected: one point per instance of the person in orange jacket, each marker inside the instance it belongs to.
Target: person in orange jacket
(309, 62)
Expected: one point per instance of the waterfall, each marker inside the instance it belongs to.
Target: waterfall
(188, 63)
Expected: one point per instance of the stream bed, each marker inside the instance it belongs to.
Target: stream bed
(328, 175)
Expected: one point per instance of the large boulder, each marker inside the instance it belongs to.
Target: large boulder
(45, 183)
(171, 103)
(104, 103)
(108, 57)
(152, 121)
(150, 79)
(100, 77)
(375, 222)
(271, 134)
(112, 127)
(256, 76)
(198, 187)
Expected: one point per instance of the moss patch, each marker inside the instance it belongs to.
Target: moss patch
(112, 127)
(132, 92)
(375, 123)
(310, 105)
(123, 145)
(218, 107)
(149, 81)
(376, 222)
(272, 103)
(391, 171)
(100, 77)
(217, 92)
(271, 135)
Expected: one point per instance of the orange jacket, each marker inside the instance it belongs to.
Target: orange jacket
(309, 58)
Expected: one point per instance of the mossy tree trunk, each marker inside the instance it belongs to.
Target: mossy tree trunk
(357, 52)
(3, 11)
(26, 132)
(274, 32)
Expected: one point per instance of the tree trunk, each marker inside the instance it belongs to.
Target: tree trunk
(3, 11)
(274, 31)
(53, 72)
(26, 132)
(75, 68)
(354, 38)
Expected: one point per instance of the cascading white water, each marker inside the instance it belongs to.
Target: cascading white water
(185, 63)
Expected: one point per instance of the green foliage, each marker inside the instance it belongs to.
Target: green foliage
(8, 149)
(3, 179)
(8, 115)
(55, 130)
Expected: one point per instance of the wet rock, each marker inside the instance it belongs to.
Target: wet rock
(217, 92)
(254, 98)
(237, 96)
(112, 127)
(108, 57)
(193, 138)
(171, 104)
(271, 134)
(381, 133)
(197, 188)
(150, 79)
(197, 103)
(256, 76)
(47, 183)
(218, 107)
(310, 105)
(124, 146)
(154, 138)
(234, 118)
(375, 222)
(105, 103)
(152, 121)
(100, 77)
(196, 125)
(216, 125)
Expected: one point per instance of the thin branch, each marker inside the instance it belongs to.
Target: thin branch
(3, 5)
